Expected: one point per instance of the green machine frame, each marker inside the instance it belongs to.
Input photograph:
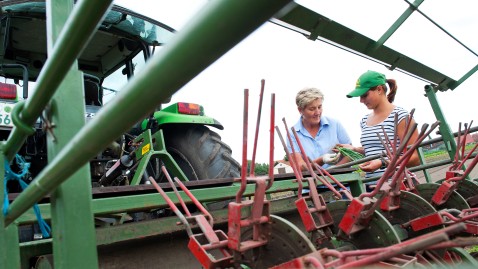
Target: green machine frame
(66, 179)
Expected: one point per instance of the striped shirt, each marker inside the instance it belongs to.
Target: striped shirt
(369, 139)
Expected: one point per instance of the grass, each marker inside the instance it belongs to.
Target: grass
(434, 155)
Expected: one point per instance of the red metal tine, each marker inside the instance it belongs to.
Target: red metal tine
(313, 261)
(195, 200)
(408, 246)
(463, 144)
(421, 136)
(466, 214)
(398, 159)
(271, 142)
(409, 119)
(395, 136)
(468, 169)
(186, 210)
(387, 144)
(467, 156)
(292, 159)
(393, 164)
(461, 162)
(173, 206)
(251, 173)
(241, 190)
(456, 242)
(322, 171)
(309, 166)
(454, 165)
(466, 134)
(297, 173)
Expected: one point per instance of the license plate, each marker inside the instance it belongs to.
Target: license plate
(5, 117)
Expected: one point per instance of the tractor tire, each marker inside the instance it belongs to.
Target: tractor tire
(199, 152)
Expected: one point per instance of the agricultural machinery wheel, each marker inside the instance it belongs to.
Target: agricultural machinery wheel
(468, 189)
(466, 259)
(412, 206)
(378, 233)
(456, 201)
(286, 242)
(200, 153)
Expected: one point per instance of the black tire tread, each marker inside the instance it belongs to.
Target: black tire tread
(203, 150)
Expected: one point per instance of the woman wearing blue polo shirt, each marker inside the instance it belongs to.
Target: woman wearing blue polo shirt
(318, 134)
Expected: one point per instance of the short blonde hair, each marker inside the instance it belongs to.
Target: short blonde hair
(308, 95)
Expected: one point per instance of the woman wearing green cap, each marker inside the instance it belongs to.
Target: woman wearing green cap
(372, 90)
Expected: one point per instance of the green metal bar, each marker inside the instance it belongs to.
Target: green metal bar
(12, 248)
(305, 20)
(73, 226)
(142, 229)
(406, 14)
(445, 130)
(69, 45)
(443, 30)
(167, 225)
(148, 150)
(218, 28)
(357, 187)
(3, 231)
(160, 149)
(153, 200)
(465, 77)
(9, 250)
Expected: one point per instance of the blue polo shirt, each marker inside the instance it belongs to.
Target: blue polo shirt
(331, 133)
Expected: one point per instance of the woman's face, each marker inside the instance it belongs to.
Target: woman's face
(312, 112)
(370, 98)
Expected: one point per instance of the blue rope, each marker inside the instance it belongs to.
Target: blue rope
(10, 175)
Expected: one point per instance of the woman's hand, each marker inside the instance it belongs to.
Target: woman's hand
(347, 146)
(371, 165)
(331, 158)
(350, 147)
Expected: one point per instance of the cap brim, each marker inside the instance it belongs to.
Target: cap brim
(357, 92)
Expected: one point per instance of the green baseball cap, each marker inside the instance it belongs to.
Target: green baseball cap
(366, 81)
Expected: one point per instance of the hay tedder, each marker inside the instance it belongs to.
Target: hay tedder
(134, 185)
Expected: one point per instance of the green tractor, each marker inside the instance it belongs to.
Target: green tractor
(178, 135)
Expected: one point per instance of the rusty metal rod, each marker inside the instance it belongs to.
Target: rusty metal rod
(397, 160)
(293, 160)
(324, 172)
(241, 190)
(391, 167)
(297, 174)
(173, 207)
(408, 246)
(171, 183)
(195, 201)
(271, 142)
(309, 166)
(467, 171)
(258, 123)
